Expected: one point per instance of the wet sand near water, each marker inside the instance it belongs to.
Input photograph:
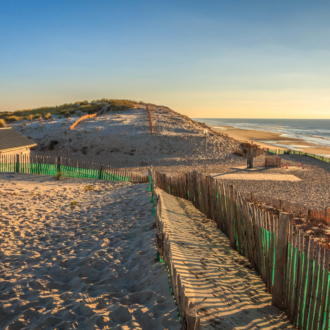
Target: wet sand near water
(263, 138)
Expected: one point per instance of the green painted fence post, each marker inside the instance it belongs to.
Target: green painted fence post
(100, 172)
(58, 165)
(17, 164)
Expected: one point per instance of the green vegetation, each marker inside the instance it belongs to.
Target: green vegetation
(58, 175)
(89, 188)
(74, 203)
(68, 109)
(2, 123)
(9, 119)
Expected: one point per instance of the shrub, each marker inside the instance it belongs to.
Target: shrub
(58, 175)
(74, 203)
(13, 118)
(47, 115)
(2, 123)
(89, 188)
(68, 109)
(52, 144)
(84, 150)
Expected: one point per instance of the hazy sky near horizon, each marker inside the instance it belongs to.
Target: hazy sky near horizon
(226, 59)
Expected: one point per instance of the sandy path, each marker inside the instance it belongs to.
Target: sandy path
(90, 266)
(255, 177)
(224, 290)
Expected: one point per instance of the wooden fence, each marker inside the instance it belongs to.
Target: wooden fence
(321, 215)
(81, 119)
(293, 267)
(295, 152)
(52, 165)
(151, 125)
(272, 161)
(296, 210)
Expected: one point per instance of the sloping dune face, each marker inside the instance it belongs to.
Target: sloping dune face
(91, 265)
(123, 139)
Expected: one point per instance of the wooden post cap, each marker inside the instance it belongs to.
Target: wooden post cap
(190, 319)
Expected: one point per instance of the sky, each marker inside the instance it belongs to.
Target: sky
(209, 59)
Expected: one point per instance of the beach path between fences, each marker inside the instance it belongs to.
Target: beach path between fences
(256, 177)
(218, 282)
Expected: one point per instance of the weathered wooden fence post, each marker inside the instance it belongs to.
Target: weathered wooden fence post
(232, 217)
(190, 320)
(327, 215)
(280, 259)
(249, 156)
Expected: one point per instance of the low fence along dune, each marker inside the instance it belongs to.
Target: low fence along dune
(66, 167)
(150, 117)
(81, 119)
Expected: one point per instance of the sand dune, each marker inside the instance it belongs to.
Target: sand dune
(123, 139)
(90, 266)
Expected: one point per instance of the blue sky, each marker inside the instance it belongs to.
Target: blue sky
(267, 59)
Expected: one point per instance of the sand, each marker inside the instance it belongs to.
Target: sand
(261, 138)
(219, 282)
(256, 177)
(123, 139)
(90, 266)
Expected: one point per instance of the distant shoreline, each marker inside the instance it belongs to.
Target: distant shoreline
(271, 140)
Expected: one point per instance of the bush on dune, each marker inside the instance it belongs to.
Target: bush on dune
(10, 119)
(68, 109)
(115, 105)
(2, 123)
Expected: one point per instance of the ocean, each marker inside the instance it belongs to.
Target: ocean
(310, 130)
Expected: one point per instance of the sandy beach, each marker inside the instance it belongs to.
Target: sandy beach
(82, 253)
(86, 266)
(272, 140)
(123, 139)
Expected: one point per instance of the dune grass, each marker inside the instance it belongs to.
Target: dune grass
(10, 119)
(68, 109)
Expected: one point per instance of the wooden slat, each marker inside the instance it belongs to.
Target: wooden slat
(288, 274)
(303, 281)
(319, 290)
(322, 320)
(280, 260)
(299, 277)
(310, 307)
(271, 250)
(293, 274)
(232, 217)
